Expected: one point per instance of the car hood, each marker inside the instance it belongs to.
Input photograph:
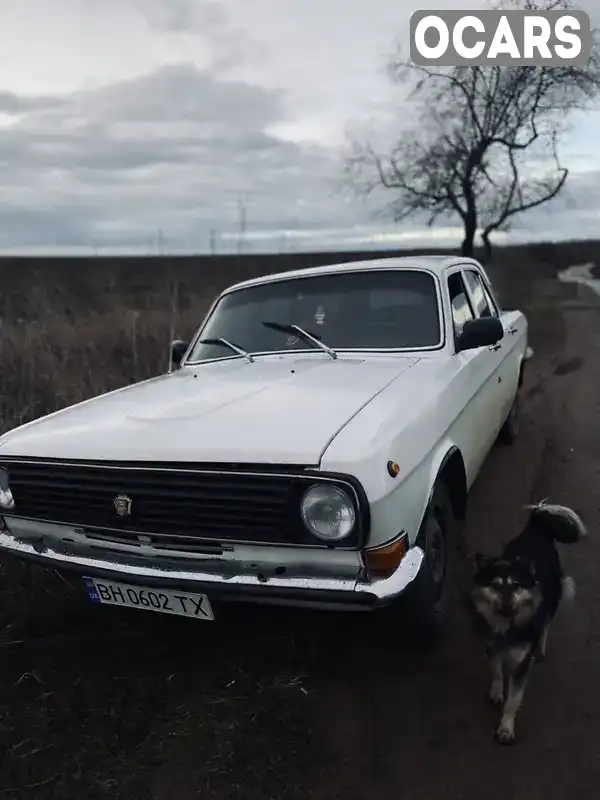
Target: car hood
(278, 410)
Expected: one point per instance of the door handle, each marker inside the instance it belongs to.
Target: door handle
(512, 331)
(495, 346)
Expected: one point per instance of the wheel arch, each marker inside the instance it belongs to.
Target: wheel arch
(522, 366)
(452, 474)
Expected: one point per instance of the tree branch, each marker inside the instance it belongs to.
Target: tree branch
(464, 155)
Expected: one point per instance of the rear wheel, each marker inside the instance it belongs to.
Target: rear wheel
(431, 592)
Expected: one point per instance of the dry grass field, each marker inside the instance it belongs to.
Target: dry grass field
(266, 705)
(73, 328)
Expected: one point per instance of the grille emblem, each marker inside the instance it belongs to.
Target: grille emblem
(122, 504)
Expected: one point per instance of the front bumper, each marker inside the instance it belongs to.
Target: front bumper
(322, 591)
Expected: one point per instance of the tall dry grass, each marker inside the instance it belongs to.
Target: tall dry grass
(59, 357)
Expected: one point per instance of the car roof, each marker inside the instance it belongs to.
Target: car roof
(433, 263)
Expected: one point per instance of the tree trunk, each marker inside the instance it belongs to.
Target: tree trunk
(469, 220)
(468, 245)
(487, 246)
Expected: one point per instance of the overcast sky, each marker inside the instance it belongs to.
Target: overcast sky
(160, 124)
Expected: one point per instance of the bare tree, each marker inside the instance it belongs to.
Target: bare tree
(242, 223)
(466, 156)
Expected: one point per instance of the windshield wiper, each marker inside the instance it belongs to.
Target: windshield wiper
(308, 337)
(224, 343)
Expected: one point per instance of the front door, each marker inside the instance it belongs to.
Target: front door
(479, 373)
(506, 351)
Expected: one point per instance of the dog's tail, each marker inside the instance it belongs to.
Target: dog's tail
(560, 523)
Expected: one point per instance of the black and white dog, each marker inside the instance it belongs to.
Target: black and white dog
(515, 598)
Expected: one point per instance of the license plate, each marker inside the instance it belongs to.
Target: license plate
(182, 604)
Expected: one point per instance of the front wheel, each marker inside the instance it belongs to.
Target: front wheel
(509, 432)
(430, 595)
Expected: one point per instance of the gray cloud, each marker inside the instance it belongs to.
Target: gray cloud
(184, 148)
(14, 104)
(181, 16)
(227, 45)
(178, 149)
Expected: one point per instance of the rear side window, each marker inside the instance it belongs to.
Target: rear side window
(493, 303)
(459, 300)
(482, 305)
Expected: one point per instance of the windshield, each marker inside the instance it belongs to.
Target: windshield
(372, 309)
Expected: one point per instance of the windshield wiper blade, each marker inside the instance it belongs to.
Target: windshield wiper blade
(308, 337)
(224, 343)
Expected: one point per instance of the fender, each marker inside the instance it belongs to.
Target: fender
(522, 364)
(445, 452)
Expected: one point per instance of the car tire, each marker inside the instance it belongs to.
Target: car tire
(509, 433)
(430, 596)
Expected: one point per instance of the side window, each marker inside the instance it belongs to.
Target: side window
(493, 303)
(459, 300)
(483, 307)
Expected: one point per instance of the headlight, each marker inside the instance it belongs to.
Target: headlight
(7, 502)
(328, 512)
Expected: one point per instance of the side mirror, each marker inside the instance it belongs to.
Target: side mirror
(482, 332)
(178, 349)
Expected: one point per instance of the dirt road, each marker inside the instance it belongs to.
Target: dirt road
(272, 705)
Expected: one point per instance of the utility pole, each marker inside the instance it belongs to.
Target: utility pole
(160, 239)
(242, 220)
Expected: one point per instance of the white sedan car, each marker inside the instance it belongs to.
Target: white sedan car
(313, 445)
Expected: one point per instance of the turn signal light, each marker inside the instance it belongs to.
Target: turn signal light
(393, 469)
(381, 562)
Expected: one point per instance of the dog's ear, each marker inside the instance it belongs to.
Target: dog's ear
(480, 560)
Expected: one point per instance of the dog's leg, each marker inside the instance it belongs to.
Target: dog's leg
(518, 670)
(496, 693)
(505, 732)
